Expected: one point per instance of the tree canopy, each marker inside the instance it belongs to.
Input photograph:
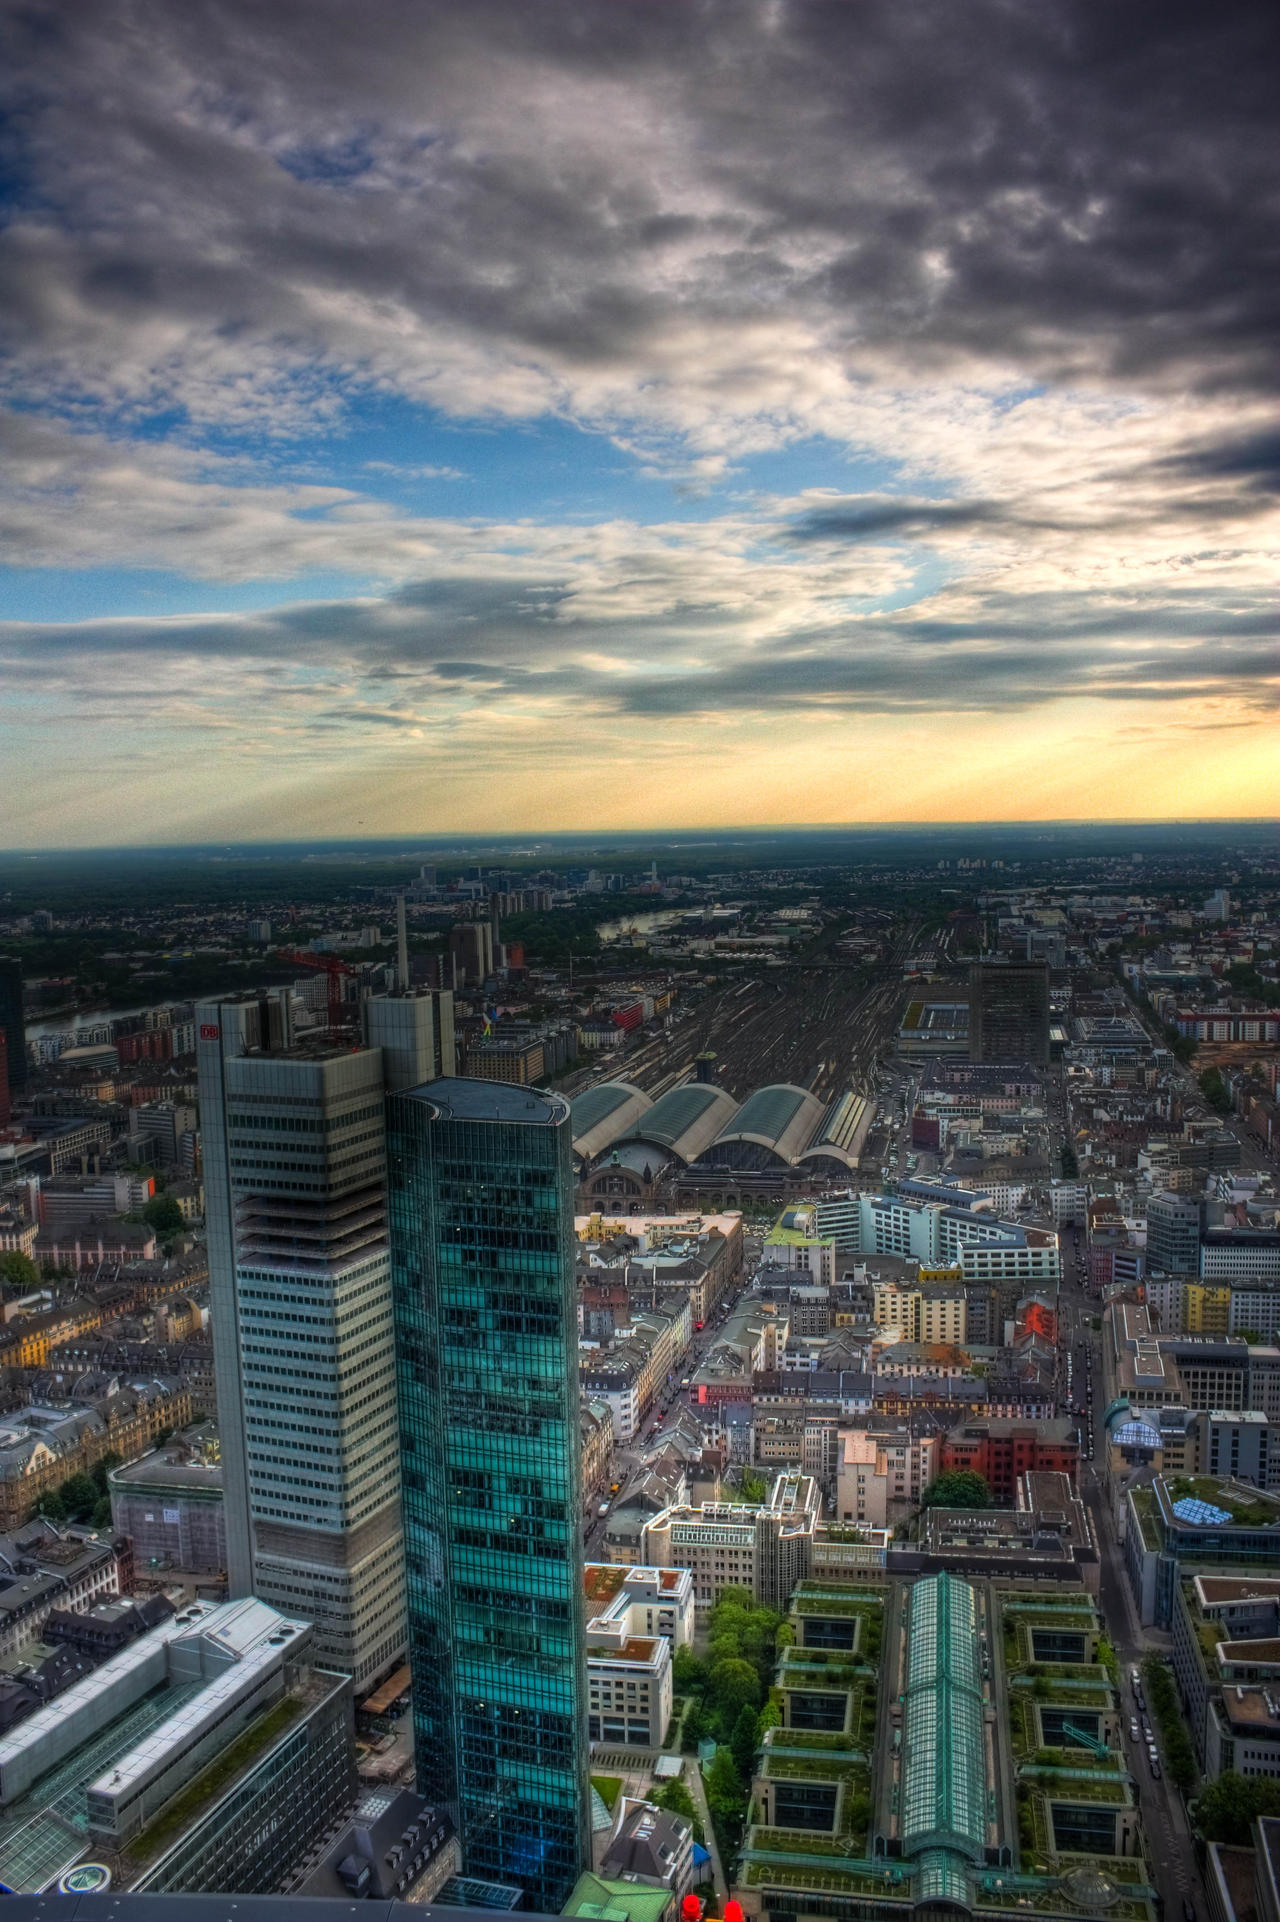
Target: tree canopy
(18, 1270)
(1226, 1809)
(957, 1488)
(164, 1215)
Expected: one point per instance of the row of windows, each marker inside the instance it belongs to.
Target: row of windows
(308, 1124)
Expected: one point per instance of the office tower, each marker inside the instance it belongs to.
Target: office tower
(471, 947)
(294, 1142)
(1009, 1012)
(481, 1184)
(1173, 1235)
(12, 1024)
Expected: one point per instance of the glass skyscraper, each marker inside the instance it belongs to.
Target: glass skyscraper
(481, 1217)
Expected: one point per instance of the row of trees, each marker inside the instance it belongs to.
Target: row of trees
(728, 1701)
(1179, 1756)
(1215, 1091)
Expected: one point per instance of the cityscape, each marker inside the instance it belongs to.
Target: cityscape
(726, 1373)
(639, 962)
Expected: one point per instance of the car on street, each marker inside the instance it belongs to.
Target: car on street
(1133, 1731)
(1148, 1731)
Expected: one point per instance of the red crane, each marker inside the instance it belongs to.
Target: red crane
(330, 965)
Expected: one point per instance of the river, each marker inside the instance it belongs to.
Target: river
(647, 923)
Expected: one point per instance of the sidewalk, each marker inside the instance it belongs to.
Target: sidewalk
(693, 1775)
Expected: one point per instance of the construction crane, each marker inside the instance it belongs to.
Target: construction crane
(327, 964)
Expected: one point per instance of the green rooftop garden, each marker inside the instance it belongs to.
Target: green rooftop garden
(1102, 1789)
(816, 1739)
(796, 1842)
(804, 1768)
(1144, 1504)
(205, 1788)
(1245, 1510)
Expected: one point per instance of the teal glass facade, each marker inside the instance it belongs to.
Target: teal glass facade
(481, 1224)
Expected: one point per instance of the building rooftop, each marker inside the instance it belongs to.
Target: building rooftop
(603, 1113)
(1215, 1590)
(943, 1772)
(780, 1116)
(604, 1900)
(456, 1098)
(687, 1119)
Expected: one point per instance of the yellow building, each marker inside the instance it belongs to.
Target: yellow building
(1206, 1308)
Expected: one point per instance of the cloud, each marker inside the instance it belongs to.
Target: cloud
(719, 222)
(1013, 266)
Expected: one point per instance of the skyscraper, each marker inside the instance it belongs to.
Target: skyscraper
(11, 1022)
(481, 1185)
(1174, 1224)
(1009, 1012)
(294, 1140)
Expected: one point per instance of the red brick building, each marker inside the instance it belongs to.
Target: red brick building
(1002, 1450)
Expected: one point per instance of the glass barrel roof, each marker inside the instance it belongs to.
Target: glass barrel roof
(943, 1777)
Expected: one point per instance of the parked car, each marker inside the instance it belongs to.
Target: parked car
(1133, 1731)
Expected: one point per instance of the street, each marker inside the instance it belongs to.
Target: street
(1168, 1834)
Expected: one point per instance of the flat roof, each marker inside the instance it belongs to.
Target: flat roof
(460, 1098)
(1237, 1588)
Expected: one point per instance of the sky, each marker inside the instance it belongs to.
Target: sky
(436, 416)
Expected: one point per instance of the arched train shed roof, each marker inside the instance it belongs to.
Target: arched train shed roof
(780, 1118)
(842, 1131)
(687, 1119)
(604, 1114)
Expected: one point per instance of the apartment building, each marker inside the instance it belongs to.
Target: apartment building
(879, 1467)
(629, 1689)
(639, 1601)
(763, 1548)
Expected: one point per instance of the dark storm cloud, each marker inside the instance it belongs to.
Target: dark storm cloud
(1253, 458)
(1080, 190)
(874, 518)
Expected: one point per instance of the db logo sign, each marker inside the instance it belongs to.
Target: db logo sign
(210, 1031)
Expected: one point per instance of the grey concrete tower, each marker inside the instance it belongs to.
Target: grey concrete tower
(294, 1140)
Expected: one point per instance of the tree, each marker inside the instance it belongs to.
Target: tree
(675, 1798)
(739, 1628)
(164, 1215)
(745, 1740)
(751, 1487)
(1070, 1166)
(688, 1672)
(1226, 1809)
(957, 1488)
(79, 1497)
(735, 1685)
(726, 1799)
(1215, 1091)
(19, 1271)
(102, 1468)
